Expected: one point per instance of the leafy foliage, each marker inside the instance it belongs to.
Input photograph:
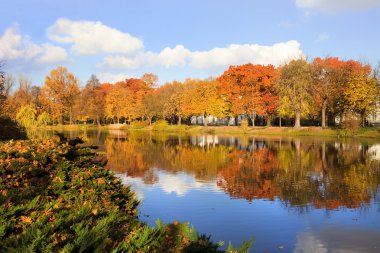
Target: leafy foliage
(55, 196)
(59, 94)
(318, 92)
(26, 117)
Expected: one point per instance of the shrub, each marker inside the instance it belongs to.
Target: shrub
(140, 124)
(160, 125)
(56, 196)
(43, 119)
(350, 126)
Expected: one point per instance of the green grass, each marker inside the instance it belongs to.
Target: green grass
(163, 126)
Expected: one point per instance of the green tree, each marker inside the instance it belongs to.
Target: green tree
(43, 119)
(26, 117)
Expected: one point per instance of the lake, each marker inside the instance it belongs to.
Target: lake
(289, 194)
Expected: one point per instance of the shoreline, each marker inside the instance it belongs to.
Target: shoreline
(367, 132)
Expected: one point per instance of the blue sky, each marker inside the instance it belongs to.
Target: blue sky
(178, 39)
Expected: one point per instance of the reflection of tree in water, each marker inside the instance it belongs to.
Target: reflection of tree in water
(138, 156)
(250, 175)
(325, 174)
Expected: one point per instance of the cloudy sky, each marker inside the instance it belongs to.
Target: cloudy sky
(174, 39)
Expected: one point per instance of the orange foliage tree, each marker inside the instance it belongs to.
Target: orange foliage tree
(249, 89)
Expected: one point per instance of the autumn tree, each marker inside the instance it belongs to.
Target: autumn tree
(327, 84)
(201, 97)
(23, 95)
(6, 103)
(267, 100)
(294, 88)
(118, 103)
(362, 94)
(151, 106)
(59, 93)
(150, 79)
(138, 88)
(249, 89)
(173, 92)
(92, 100)
(351, 69)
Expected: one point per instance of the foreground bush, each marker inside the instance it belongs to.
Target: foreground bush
(55, 196)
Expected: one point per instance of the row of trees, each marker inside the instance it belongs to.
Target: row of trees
(319, 91)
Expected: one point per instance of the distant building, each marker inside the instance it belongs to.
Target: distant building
(374, 118)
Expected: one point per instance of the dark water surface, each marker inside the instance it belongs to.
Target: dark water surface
(290, 194)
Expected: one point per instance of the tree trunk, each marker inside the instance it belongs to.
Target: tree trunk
(363, 119)
(204, 121)
(150, 121)
(269, 121)
(297, 123)
(324, 106)
(71, 115)
(179, 120)
(280, 122)
(253, 116)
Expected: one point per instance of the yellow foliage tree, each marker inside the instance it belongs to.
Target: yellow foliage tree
(362, 95)
(59, 93)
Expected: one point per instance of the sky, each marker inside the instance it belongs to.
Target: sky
(175, 39)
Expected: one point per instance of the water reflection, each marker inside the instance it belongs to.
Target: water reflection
(325, 174)
(337, 239)
(283, 191)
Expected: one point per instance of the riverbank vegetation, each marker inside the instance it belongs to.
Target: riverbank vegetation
(322, 92)
(56, 196)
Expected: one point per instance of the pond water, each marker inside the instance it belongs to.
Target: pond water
(289, 194)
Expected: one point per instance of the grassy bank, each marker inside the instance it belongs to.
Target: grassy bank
(162, 126)
(56, 196)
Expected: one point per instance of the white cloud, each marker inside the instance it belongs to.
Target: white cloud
(177, 183)
(308, 242)
(336, 5)
(239, 54)
(170, 57)
(121, 61)
(52, 54)
(15, 47)
(216, 58)
(108, 77)
(90, 37)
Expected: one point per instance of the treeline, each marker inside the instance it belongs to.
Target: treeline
(319, 92)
